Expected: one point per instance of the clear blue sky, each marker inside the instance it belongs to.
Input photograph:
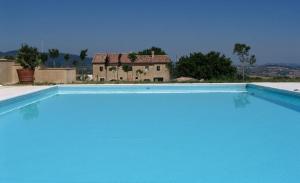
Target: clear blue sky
(271, 27)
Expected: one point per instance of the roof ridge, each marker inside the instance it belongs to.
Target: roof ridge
(111, 53)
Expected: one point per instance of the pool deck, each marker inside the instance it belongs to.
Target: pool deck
(7, 92)
(295, 87)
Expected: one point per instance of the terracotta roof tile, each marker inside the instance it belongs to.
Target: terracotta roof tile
(113, 58)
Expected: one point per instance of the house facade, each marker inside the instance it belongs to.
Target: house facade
(118, 67)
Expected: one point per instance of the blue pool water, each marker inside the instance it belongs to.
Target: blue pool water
(163, 134)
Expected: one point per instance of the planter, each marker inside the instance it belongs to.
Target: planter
(26, 76)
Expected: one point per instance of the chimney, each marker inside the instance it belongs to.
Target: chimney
(152, 53)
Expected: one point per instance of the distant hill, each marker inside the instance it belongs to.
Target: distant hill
(8, 53)
(276, 70)
(287, 65)
(59, 62)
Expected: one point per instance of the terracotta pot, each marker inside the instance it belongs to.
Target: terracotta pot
(26, 76)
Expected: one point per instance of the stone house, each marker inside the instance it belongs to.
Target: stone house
(118, 67)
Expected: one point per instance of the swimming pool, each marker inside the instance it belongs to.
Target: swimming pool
(230, 133)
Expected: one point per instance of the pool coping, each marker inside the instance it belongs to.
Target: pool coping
(289, 86)
(36, 89)
(21, 96)
(276, 90)
(8, 104)
(281, 97)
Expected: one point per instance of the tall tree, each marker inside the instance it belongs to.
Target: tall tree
(83, 55)
(53, 54)
(157, 51)
(118, 65)
(75, 63)
(243, 53)
(107, 60)
(132, 57)
(67, 57)
(44, 58)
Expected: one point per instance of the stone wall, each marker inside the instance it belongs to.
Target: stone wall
(148, 73)
(55, 75)
(8, 74)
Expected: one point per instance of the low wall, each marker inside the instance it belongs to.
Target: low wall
(55, 75)
(8, 74)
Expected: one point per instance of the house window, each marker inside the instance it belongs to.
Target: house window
(158, 68)
(147, 68)
(136, 77)
(121, 78)
(101, 69)
(101, 79)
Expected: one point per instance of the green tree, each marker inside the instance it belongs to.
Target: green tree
(107, 60)
(75, 63)
(83, 55)
(243, 53)
(132, 57)
(157, 51)
(126, 68)
(28, 57)
(118, 65)
(205, 66)
(53, 54)
(44, 58)
(67, 57)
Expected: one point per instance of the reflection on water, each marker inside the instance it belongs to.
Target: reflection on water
(241, 101)
(30, 112)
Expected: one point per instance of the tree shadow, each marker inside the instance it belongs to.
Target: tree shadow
(30, 112)
(241, 101)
